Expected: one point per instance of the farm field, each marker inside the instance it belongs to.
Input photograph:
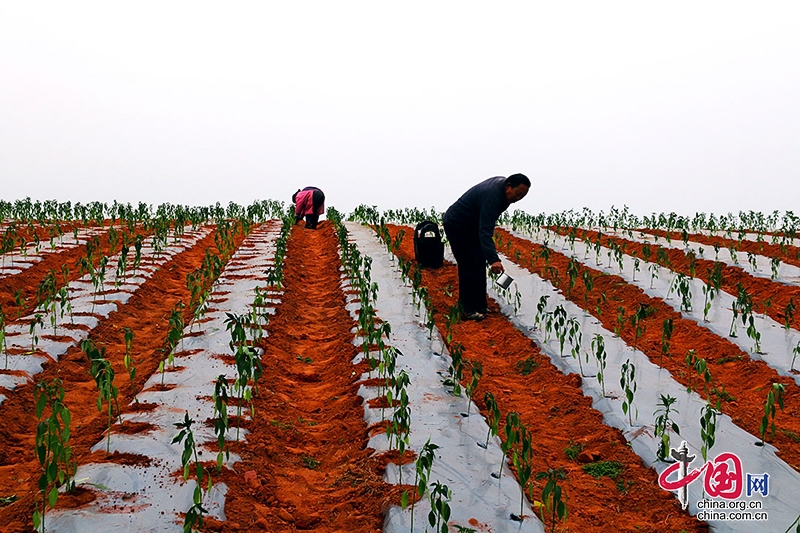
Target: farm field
(224, 369)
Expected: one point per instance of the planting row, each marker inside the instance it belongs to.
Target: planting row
(306, 462)
(773, 297)
(76, 398)
(51, 212)
(727, 315)
(14, 262)
(776, 247)
(457, 467)
(211, 363)
(556, 442)
(752, 226)
(570, 336)
(755, 263)
(71, 312)
(698, 362)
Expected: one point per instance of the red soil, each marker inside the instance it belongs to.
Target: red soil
(146, 313)
(305, 464)
(788, 254)
(558, 415)
(769, 296)
(29, 279)
(739, 383)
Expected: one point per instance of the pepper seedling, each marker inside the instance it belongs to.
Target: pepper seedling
(492, 417)
(3, 342)
(103, 375)
(35, 321)
(477, 374)
(52, 447)
(628, 383)
(127, 360)
(523, 463)
(599, 351)
(511, 432)
(708, 429)
(663, 424)
(554, 498)
(221, 417)
(423, 466)
(439, 496)
(712, 287)
(774, 396)
(194, 516)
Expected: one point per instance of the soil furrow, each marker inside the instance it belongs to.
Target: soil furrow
(560, 417)
(305, 463)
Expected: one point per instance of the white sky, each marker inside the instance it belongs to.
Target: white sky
(662, 106)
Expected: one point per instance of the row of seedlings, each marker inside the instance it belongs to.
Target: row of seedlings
(65, 315)
(597, 353)
(774, 228)
(756, 264)
(731, 316)
(52, 434)
(50, 212)
(17, 254)
(393, 386)
(157, 228)
(25, 220)
(774, 285)
(482, 494)
(53, 447)
(207, 377)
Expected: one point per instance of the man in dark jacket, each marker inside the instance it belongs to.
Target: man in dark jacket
(469, 226)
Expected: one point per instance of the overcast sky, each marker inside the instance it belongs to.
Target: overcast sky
(662, 106)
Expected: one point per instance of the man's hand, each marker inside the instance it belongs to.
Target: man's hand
(497, 267)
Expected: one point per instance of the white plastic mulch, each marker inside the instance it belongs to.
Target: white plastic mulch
(17, 261)
(786, 273)
(653, 381)
(479, 501)
(777, 343)
(152, 498)
(87, 311)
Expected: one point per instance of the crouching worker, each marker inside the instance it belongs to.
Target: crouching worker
(308, 203)
(469, 225)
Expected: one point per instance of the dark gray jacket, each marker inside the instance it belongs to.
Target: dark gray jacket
(477, 211)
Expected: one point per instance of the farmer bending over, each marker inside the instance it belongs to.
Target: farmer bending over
(309, 203)
(469, 226)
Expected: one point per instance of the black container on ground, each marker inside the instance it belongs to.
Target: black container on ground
(428, 245)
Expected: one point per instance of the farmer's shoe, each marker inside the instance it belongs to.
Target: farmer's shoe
(477, 316)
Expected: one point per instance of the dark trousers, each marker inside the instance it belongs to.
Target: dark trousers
(471, 268)
(317, 199)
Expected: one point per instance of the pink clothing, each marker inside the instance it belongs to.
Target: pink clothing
(304, 204)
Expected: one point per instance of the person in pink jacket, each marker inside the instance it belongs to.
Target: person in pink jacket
(308, 203)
